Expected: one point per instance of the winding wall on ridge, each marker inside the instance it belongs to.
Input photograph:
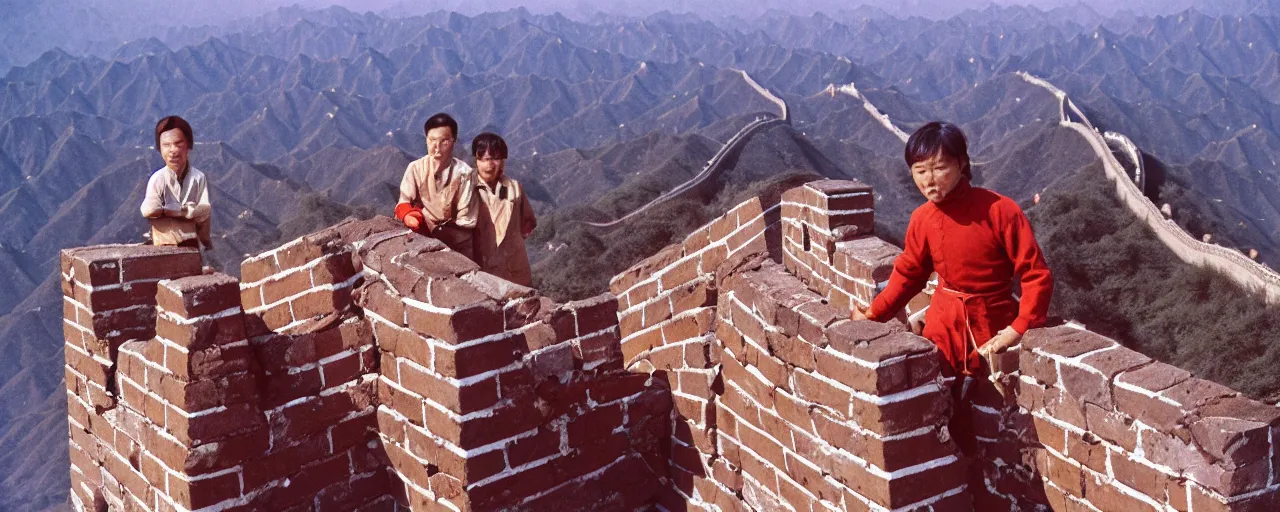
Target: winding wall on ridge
(1249, 274)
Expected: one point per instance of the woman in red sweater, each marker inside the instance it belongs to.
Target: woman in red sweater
(978, 242)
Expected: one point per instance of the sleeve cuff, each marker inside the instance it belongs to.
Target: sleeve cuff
(404, 209)
(1020, 325)
(874, 313)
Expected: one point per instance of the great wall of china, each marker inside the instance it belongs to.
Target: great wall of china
(366, 368)
(1247, 273)
(715, 165)
(880, 117)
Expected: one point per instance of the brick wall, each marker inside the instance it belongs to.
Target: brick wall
(821, 413)
(827, 242)
(366, 368)
(780, 401)
(1122, 432)
(667, 315)
(358, 368)
(285, 289)
(493, 398)
(109, 297)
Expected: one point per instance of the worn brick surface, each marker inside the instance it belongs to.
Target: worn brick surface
(745, 386)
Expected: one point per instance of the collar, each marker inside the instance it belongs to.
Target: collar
(445, 169)
(957, 195)
(182, 176)
(499, 189)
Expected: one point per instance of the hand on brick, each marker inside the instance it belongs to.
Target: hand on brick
(415, 220)
(858, 313)
(917, 326)
(1004, 339)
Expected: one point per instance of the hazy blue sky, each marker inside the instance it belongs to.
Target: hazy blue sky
(29, 28)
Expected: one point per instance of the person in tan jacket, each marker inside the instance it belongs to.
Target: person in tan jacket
(177, 197)
(506, 217)
(437, 193)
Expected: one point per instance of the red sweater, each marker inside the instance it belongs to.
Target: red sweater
(977, 241)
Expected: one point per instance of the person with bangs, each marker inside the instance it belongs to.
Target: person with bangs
(506, 218)
(978, 242)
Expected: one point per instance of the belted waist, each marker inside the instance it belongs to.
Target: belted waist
(963, 349)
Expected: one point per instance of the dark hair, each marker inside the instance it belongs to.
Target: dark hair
(489, 144)
(438, 120)
(174, 122)
(939, 136)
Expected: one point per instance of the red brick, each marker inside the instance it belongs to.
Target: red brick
(344, 369)
(1088, 451)
(484, 319)
(636, 345)
(282, 287)
(603, 348)
(1112, 427)
(357, 430)
(1202, 501)
(695, 383)
(334, 270)
(617, 387)
(203, 493)
(667, 357)
(319, 303)
(304, 483)
(544, 443)
(698, 411)
(818, 391)
(346, 496)
(476, 359)
(95, 271)
(683, 272)
(116, 298)
(477, 396)
(200, 295)
(595, 314)
(1108, 497)
(593, 425)
(1051, 435)
(284, 461)
(133, 481)
(304, 250)
(226, 453)
(505, 422)
(257, 269)
(275, 317)
(214, 425)
(655, 313)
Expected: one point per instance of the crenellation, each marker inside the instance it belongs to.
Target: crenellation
(364, 367)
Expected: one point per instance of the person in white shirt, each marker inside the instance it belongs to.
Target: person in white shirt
(177, 197)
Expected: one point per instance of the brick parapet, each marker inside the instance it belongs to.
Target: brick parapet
(709, 378)
(818, 409)
(496, 398)
(398, 393)
(827, 242)
(1119, 430)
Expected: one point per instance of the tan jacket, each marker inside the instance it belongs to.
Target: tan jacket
(166, 197)
(499, 240)
(447, 198)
